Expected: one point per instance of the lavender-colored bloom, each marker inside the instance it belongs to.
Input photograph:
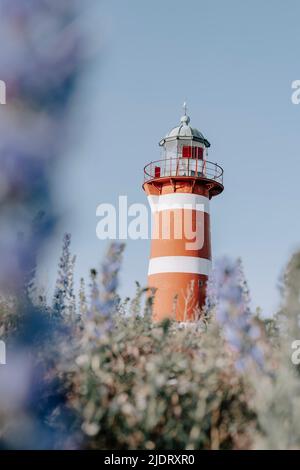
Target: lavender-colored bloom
(64, 297)
(109, 278)
(234, 315)
(40, 64)
(211, 294)
(82, 298)
(103, 296)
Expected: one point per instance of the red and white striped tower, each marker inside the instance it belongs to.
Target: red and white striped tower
(179, 188)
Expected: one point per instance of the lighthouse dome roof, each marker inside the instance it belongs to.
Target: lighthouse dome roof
(185, 132)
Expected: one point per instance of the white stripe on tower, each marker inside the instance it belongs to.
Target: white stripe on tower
(179, 264)
(179, 201)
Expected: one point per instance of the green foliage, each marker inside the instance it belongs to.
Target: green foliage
(278, 396)
(158, 386)
(120, 381)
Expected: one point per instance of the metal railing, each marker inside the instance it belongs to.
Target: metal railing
(189, 167)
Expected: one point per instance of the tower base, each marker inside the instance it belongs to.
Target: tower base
(178, 296)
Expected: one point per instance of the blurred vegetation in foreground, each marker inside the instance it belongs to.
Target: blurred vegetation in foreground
(100, 374)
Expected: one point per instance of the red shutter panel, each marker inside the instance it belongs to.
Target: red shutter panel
(199, 153)
(186, 152)
(192, 152)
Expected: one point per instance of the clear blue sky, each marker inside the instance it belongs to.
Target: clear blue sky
(234, 63)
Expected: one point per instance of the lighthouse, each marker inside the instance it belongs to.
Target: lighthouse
(179, 188)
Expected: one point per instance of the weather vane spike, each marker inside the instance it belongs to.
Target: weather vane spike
(185, 108)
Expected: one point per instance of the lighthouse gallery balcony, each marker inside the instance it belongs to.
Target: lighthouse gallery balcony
(184, 168)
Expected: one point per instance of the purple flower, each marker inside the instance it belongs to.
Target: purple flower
(40, 65)
(231, 300)
(64, 297)
(103, 295)
(109, 278)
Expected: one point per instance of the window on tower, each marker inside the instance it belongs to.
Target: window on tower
(192, 152)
